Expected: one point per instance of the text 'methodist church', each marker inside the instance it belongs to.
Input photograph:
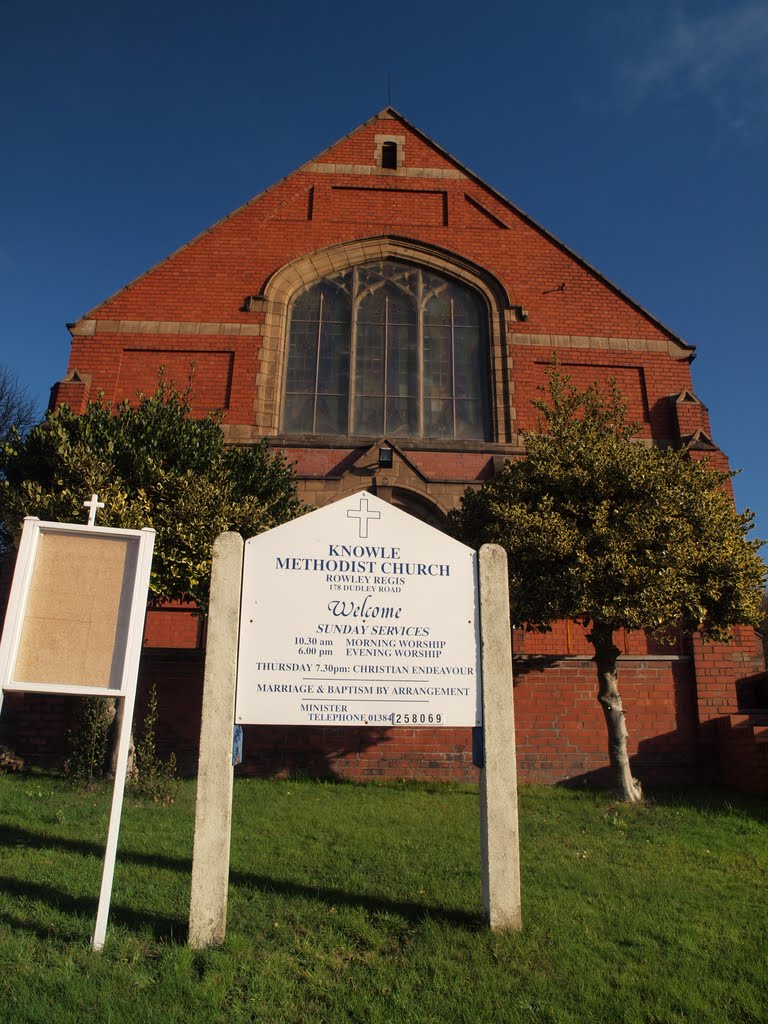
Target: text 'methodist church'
(385, 318)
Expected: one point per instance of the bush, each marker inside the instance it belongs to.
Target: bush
(153, 777)
(87, 763)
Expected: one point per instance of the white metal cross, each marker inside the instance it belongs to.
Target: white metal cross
(362, 515)
(92, 505)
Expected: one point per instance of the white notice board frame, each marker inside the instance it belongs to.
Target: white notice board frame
(131, 606)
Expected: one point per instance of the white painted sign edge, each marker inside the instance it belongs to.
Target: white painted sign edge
(252, 553)
(19, 596)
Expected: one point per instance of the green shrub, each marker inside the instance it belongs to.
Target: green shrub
(89, 741)
(152, 776)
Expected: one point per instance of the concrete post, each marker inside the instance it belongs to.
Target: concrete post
(500, 846)
(213, 811)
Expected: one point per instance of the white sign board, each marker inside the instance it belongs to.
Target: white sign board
(361, 615)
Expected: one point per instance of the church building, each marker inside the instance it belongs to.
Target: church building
(385, 318)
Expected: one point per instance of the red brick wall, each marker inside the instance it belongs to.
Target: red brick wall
(647, 381)
(178, 679)
(720, 668)
(561, 732)
(359, 754)
(190, 310)
(561, 735)
(39, 726)
(208, 279)
(208, 374)
(174, 626)
(742, 746)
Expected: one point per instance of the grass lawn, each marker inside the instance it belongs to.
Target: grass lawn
(361, 904)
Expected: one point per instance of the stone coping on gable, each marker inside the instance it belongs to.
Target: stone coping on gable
(88, 328)
(577, 341)
(443, 173)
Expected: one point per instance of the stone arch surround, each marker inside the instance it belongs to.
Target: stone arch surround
(419, 505)
(408, 499)
(284, 283)
(402, 484)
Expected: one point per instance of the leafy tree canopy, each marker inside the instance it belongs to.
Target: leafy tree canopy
(608, 530)
(151, 464)
(613, 532)
(763, 628)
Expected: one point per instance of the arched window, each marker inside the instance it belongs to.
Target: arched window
(317, 388)
(387, 348)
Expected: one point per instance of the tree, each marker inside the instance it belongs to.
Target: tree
(614, 533)
(763, 627)
(151, 464)
(17, 406)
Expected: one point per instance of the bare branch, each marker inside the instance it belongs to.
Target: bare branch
(18, 407)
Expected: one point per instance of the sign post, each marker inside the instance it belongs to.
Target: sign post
(499, 832)
(215, 773)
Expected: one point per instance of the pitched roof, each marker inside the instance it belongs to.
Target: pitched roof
(389, 113)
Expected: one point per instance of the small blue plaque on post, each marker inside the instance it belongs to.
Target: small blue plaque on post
(237, 745)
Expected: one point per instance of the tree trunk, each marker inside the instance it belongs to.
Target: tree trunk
(606, 654)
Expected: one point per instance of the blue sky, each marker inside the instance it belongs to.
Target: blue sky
(636, 132)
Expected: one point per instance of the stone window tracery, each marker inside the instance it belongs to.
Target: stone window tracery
(388, 348)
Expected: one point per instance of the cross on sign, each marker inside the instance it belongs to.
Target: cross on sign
(362, 515)
(92, 505)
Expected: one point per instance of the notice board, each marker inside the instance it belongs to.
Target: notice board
(76, 605)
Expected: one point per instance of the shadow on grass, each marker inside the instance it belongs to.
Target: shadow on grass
(163, 928)
(174, 930)
(709, 798)
(11, 836)
(410, 911)
(717, 800)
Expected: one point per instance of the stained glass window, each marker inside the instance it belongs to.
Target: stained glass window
(387, 348)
